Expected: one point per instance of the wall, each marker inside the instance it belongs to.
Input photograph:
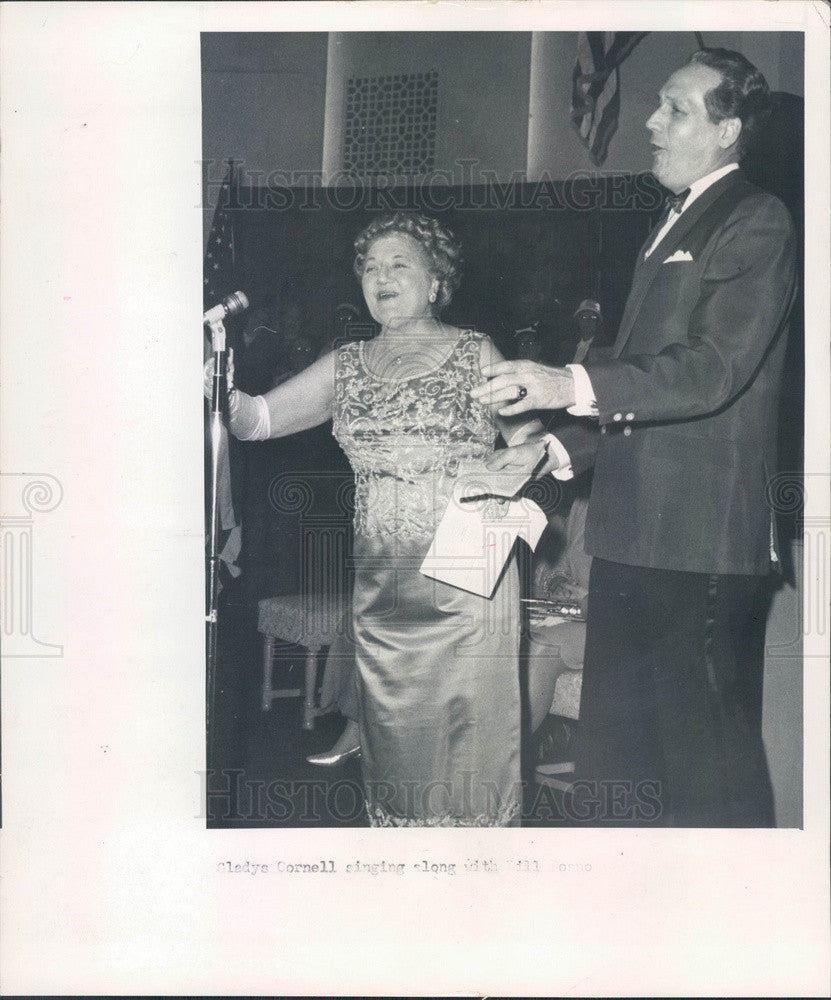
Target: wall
(276, 100)
(553, 144)
(263, 97)
(483, 91)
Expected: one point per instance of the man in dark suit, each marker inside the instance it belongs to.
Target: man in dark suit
(681, 432)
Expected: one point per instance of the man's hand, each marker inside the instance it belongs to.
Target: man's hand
(521, 458)
(544, 388)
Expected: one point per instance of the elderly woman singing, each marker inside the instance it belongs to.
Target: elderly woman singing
(437, 667)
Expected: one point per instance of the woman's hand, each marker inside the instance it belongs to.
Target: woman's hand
(208, 375)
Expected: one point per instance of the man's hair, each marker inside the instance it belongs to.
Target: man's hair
(743, 93)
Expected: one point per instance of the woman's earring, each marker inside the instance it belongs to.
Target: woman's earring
(432, 295)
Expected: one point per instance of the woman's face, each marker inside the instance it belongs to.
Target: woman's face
(397, 282)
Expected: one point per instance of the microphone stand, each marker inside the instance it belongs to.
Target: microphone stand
(218, 408)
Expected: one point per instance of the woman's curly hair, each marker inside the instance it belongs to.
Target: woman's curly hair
(443, 250)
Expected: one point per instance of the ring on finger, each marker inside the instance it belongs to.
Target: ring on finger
(521, 392)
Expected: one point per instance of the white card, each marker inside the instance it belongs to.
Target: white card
(474, 540)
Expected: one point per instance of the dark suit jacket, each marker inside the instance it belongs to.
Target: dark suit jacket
(688, 401)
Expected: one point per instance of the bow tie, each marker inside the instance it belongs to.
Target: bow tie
(676, 201)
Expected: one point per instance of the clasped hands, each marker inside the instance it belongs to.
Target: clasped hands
(521, 386)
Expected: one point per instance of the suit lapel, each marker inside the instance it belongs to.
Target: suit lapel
(647, 269)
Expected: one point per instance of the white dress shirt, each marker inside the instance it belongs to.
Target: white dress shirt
(696, 190)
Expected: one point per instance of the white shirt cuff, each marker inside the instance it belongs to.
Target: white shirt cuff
(555, 447)
(585, 401)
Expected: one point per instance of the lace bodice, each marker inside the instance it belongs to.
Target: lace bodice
(407, 438)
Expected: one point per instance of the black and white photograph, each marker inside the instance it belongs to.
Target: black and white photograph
(394, 254)
(415, 498)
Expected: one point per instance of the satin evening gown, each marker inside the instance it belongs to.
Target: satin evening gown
(437, 666)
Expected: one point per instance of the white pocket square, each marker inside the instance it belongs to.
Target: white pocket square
(679, 255)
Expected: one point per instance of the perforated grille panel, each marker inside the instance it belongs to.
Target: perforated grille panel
(391, 125)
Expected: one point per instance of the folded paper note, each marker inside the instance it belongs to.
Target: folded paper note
(474, 539)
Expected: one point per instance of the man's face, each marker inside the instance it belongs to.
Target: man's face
(587, 324)
(686, 145)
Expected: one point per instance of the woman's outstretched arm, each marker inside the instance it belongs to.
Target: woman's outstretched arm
(301, 402)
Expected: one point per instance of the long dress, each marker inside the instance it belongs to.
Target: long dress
(437, 666)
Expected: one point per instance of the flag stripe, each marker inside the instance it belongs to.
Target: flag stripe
(595, 97)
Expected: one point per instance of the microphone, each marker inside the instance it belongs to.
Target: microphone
(232, 304)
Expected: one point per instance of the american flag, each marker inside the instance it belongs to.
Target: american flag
(219, 265)
(595, 96)
(219, 280)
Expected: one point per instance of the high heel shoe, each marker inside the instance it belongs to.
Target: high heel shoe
(333, 759)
